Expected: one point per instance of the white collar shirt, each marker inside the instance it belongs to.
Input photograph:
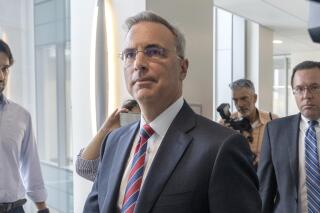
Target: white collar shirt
(302, 170)
(20, 171)
(160, 125)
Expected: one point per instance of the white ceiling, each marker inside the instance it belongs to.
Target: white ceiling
(287, 18)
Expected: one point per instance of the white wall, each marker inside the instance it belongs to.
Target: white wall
(297, 58)
(252, 71)
(196, 22)
(81, 24)
(264, 87)
(260, 63)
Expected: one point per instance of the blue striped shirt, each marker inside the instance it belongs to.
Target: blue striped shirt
(20, 172)
(87, 168)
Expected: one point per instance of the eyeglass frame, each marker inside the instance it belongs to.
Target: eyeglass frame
(136, 51)
(314, 89)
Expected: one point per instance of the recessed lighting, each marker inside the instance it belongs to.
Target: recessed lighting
(277, 41)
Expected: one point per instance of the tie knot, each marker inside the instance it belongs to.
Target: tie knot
(146, 131)
(313, 123)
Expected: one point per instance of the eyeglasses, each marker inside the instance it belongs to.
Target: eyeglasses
(154, 52)
(4, 68)
(313, 89)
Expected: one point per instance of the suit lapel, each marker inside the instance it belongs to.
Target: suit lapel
(293, 144)
(121, 155)
(170, 152)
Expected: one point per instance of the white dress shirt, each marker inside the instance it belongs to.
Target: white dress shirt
(20, 171)
(302, 170)
(160, 126)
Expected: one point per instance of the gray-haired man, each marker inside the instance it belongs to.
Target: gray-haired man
(183, 163)
(244, 98)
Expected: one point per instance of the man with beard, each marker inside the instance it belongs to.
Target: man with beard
(20, 172)
(245, 98)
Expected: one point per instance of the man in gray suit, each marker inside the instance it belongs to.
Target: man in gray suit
(286, 181)
(183, 162)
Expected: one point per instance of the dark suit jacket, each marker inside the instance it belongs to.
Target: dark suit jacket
(278, 169)
(200, 167)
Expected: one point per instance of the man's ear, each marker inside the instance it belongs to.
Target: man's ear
(255, 98)
(184, 64)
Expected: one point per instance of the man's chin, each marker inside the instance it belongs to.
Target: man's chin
(311, 114)
(243, 114)
(143, 94)
(144, 98)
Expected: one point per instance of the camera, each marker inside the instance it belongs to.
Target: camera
(241, 125)
(314, 20)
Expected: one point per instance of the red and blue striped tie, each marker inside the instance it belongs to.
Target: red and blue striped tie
(136, 171)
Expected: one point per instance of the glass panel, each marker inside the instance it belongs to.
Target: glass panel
(279, 86)
(238, 49)
(223, 57)
(46, 65)
(69, 148)
(224, 30)
(223, 76)
(52, 41)
(230, 54)
(45, 13)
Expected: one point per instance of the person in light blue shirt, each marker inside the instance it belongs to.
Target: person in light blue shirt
(20, 172)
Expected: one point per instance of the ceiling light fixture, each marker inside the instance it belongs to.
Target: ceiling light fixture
(277, 41)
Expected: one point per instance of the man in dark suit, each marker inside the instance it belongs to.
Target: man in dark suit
(183, 162)
(286, 178)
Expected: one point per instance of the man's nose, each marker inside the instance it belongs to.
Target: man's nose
(306, 93)
(140, 62)
(240, 103)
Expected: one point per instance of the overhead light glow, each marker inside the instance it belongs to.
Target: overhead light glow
(277, 41)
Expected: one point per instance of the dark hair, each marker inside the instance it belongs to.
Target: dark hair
(148, 16)
(306, 65)
(4, 48)
(242, 83)
(130, 104)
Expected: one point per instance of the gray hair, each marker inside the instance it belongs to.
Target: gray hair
(148, 16)
(242, 83)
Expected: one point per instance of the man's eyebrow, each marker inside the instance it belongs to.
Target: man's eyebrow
(5, 66)
(314, 84)
(130, 48)
(152, 45)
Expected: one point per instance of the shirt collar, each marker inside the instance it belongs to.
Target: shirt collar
(162, 122)
(264, 117)
(305, 120)
(3, 99)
